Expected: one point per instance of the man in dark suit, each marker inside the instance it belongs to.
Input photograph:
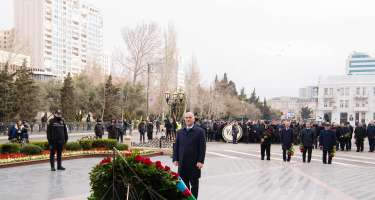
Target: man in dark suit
(359, 135)
(327, 143)
(286, 141)
(307, 140)
(189, 153)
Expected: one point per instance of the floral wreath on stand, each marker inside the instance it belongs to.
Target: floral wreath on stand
(132, 176)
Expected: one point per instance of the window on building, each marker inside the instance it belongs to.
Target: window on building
(330, 91)
(325, 91)
(342, 91)
(346, 103)
(358, 91)
(357, 104)
(364, 91)
(341, 103)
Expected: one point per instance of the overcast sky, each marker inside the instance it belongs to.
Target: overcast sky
(275, 46)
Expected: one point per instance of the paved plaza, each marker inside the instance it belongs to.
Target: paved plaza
(231, 172)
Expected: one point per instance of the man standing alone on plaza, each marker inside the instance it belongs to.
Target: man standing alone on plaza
(57, 136)
(189, 153)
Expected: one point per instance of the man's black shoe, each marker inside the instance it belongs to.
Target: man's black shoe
(60, 168)
(53, 169)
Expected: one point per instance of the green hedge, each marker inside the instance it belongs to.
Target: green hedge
(73, 146)
(104, 143)
(10, 148)
(85, 144)
(42, 144)
(31, 149)
(122, 147)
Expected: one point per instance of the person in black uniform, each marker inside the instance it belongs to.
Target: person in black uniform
(265, 142)
(359, 135)
(371, 136)
(112, 130)
(189, 153)
(99, 129)
(235, 131)
(307, 140)
(142, 130)
(150, 129)
(327, 142)
(286, 140)
(57, 136)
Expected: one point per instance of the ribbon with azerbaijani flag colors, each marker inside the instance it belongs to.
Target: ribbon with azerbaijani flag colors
(185, 191)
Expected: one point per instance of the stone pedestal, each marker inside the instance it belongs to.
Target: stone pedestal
(128, 141)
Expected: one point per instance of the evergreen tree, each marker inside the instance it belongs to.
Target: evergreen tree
(265, 110)
(112, 108)
(242, 95)
(225, 78)
(27, 94)
(253, 98)
(7, 95)
(68, 99)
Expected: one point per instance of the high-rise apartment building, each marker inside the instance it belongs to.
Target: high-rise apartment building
(360, 63)
(63, 35)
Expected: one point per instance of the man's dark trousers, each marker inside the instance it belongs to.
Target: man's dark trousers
(307, 150)
(325, 155)
(265, 149)
(53, 148)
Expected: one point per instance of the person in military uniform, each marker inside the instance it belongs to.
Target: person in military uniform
(307, 140)
(112, 130)
(265, 142)
(57, 136)
(99, 129)
(327, 142)
(371, 136)
(286, 140)
(235, 131)
(150, 129)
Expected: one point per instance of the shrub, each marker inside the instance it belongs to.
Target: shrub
(10, 148)
(122, 147)
(86, 144)
(31, 149)
(42, 144)
(104, 143)
(73, 146)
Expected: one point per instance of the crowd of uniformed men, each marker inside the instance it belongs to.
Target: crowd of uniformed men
(329, 137)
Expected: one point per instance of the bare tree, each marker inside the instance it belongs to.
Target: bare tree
(192, 85)
(143, 45)
(168, 68)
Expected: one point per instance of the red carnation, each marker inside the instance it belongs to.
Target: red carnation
(105, 161)
(138, 158)
(147, 161)
(159, 165)
(166, 168)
